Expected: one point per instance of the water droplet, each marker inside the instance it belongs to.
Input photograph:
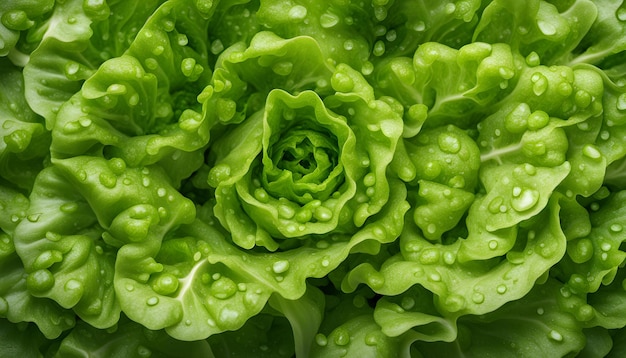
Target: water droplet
(71, 69)
(325, 261)
(372, 338)
(69, 208)
(348, 45)
(449, 258)
(582, 99)
(501, 289)
(182, 39)
(152, 301)
(449, 143)
(151, 63)
(556, 336)
(286, 211)
(538, 120)
(328, 20)
(533, 59)
(298, 12)
(40, 280)
(168, 25)
(621, 14)
(165, 284)
(379, 48)
(590, 151)
(204, 6)
(216, 47)
(506, 73)
(429, 256)
(380, 13)
(540, 84)
(280, 266)
(495, 204)
(478, 298)
(73, 285)
(108, 180)
(493, 244)
(283, 68)
(527, 199)
(565, 89)
(621, 102)
(367, 68)
(419, 26)
(187, 66)
(585, 313)
(323, 214)
(547, 28)
(223, 288)
(342, 336)
(435, 277)
(117, 89)
(228, 315)
(321, 340)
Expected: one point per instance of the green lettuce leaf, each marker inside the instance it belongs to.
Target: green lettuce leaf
(16, 303)
(17, 17)
(128, 339)
(488, 282)
(81, 210)
(549, 29)
(72, 43)
(196, 284)
(265, 336)
(24, 143)
(145, 98)
(474, 76)
(536, 317)
(21, 340)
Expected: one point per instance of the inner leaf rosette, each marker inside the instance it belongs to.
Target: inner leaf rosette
(306, 173)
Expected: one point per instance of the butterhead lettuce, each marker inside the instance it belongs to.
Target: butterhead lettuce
(299, 178)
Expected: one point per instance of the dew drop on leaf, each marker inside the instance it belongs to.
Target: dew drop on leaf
(501, 289)
(342, 336)
(546, 27)
(321, 340)
(478, 298)
(556, 336)
(328, 20)
(152, 301)
(298, 12)
(280, 266)
(526, 200)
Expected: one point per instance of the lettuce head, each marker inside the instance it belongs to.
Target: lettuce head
(301, 178)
